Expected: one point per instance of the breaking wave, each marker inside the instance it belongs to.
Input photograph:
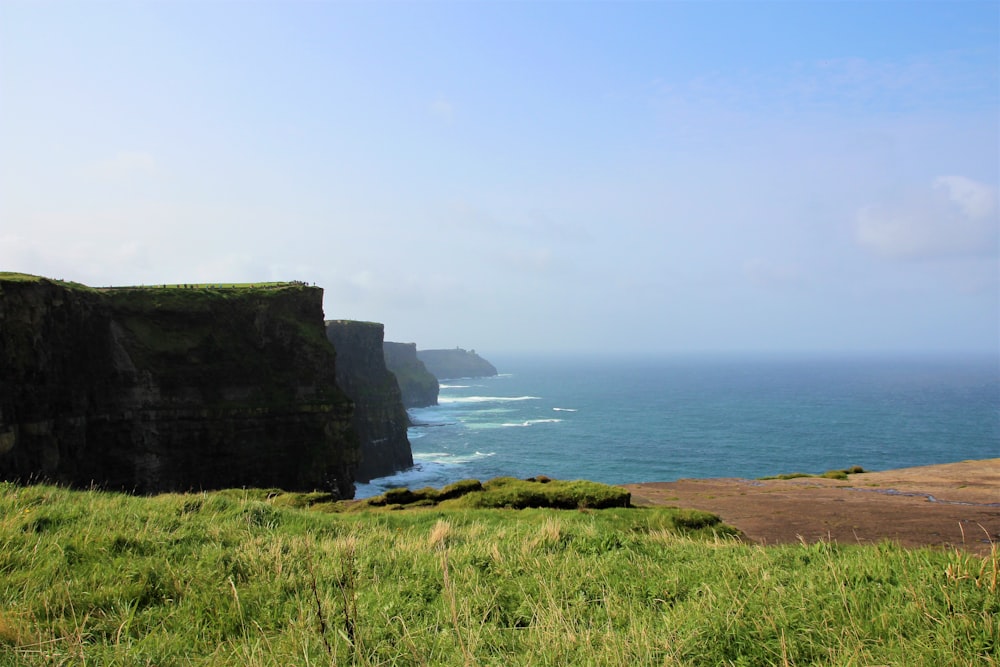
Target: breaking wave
(444, 400)
(532, 422)
(435, 469)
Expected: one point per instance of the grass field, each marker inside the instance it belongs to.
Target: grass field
(259, 578)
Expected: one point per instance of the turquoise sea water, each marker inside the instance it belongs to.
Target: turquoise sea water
(635, 420)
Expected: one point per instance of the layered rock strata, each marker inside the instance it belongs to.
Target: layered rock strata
(171, 388)
(380, 418)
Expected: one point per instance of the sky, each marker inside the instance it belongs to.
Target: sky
(631, 177)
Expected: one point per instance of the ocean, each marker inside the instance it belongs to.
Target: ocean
(638, 420)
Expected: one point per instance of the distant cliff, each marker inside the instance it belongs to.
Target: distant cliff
(379, 416)
(418, 386)
(457, 363)
(171, 388)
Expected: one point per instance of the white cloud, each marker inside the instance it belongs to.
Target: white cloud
(955, 216)
(977, 200)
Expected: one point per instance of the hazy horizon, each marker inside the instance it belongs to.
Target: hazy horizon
(676, 178)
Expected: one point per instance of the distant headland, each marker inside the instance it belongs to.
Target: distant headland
(456, 363)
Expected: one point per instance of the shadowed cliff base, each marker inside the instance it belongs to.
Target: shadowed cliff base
(417, 385)
(950, 505)
(380, 418)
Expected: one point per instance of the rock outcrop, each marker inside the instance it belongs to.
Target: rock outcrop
(380, 418)
(171, 388)
(418, 386)
(457, 363)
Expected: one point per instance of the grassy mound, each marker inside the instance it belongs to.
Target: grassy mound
(508, 493)
(829, 474)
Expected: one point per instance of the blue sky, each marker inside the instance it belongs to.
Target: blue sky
(514, 176)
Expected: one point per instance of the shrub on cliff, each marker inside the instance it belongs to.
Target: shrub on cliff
(511, 493)
(829, 474)
(460, 488)
(558, 494)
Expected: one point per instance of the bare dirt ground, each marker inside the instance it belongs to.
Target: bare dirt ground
(954, 505)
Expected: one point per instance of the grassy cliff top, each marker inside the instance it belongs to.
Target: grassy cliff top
(20, 277)
(356, 323)
(211, 286)
(14, 277)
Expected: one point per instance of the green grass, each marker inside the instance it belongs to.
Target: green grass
(210, 286)
(263, 578)
(13, 277)
(19, 277)
(829, 474)
(506, 493)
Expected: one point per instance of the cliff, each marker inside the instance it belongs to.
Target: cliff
(162, 389)
(380, 418)
(418, 386)
(457, 363)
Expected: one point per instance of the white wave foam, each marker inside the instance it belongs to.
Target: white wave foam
(429, 469)
(486, 399)
(565, 409)
(416, 477)
(453, 386)
(532, 422)
(424, 413)
(434, 415)
(447, 458)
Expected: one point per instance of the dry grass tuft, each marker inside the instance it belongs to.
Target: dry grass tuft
(439, 535)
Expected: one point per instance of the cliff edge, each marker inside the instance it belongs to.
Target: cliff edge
(418, 386)
(171, 388)
(457, 363)
(380, 418)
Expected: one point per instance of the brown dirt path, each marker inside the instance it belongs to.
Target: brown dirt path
(950, 505)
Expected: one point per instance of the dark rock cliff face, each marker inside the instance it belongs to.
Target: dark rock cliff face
(379, 418)
(164, 389)
(457, 363)
(418, 386)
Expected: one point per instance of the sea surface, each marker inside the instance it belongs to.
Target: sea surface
(635, 420)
